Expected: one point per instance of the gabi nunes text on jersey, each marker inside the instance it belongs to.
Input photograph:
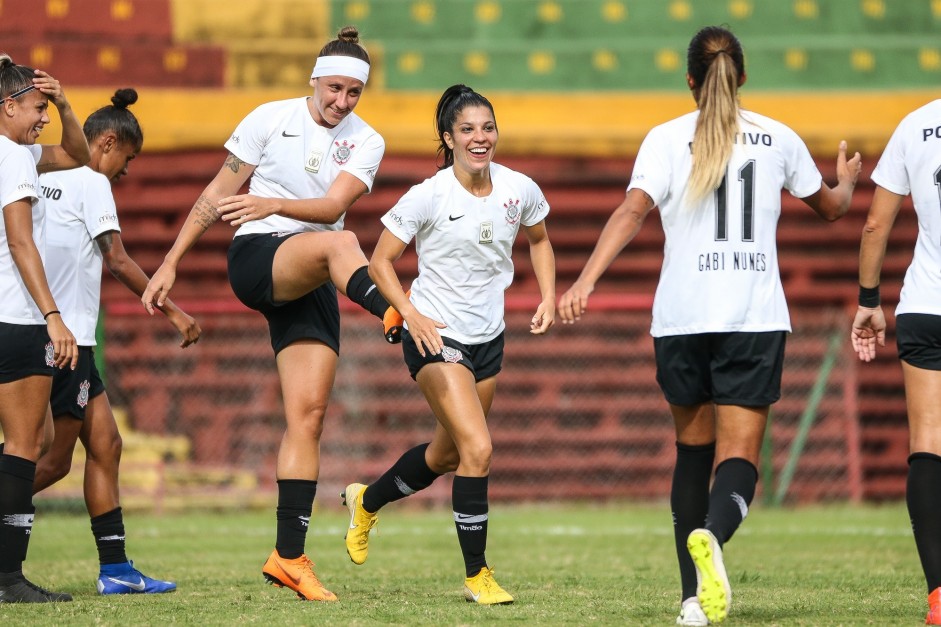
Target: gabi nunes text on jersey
(736, 261)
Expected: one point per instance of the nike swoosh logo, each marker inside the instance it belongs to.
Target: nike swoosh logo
(475, 596)
(139, 586)
(465, 516)
(286, 134)
(453, 218)
(294, 580)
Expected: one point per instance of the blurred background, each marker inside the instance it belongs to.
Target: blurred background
(576, 85)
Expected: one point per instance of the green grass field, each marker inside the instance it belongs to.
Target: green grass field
(565, 564)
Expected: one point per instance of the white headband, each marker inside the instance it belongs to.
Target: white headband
(341, 66)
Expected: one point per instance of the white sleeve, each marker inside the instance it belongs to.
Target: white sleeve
(535, 205)
(99, 211)
(801, 176)
(652, 168)
(410, 214)
(20, 179)
(365, 161)
(891, 173)
(250, 137)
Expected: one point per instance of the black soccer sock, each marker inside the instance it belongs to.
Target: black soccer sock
(924, 477)
(732, 492)
(409, 474)
(295, 503)
(362, 290)
(108, 530)
(16, 510)
(689, 500)
(469, 500)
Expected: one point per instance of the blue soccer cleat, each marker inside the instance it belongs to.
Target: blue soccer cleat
(123, 578)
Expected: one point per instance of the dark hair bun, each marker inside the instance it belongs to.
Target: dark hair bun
(349, 34)
(123, 98)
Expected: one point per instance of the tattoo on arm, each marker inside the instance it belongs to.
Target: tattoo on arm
(105, 241)
(205, 213)
(233, 163)
(648, 201)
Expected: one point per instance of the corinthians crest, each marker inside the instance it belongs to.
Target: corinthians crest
(342, 153)
(82, 399)
(512, 211)
(50, 354)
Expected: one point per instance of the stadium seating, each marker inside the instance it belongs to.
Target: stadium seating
(107, 42)
(605, 44)
(578, 413)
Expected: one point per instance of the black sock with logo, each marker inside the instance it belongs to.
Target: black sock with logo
(732, 493)
(409, 474)
(469, 500)
(108, 530)
(363, 291)
(921, 495)
(295, 503)
(689, 500)
(16, 510)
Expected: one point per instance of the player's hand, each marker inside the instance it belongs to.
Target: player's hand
(158, 288)
(64, 346)
(186, 325)
(51, 88)
(868, 330)
(574, 302)
(847, 171)
(244, 208)
(544, 318)
(424, 332)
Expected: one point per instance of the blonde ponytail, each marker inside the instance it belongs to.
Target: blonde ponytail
(716, 127)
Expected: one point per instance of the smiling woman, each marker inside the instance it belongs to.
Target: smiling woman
(32, 333)
(309, 160)
(464, 221)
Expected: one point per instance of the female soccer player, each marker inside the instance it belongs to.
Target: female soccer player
(309, 160)
(911, 164)
(32, 332)
(464, 221)
(82, 230)
(719, 315)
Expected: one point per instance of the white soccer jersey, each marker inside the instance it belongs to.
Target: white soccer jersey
(464, 245)
(18, 181)
(911, 164)
(720, 267)
(296, 158)
(79, 208)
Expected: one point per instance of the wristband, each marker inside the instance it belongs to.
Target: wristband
(869, 297)
(46, 316)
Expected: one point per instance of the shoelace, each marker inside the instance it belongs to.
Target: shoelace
(309, 570)
(39, 589)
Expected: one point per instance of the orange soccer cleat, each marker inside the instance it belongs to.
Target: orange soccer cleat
(296, 574)
(934, 608)
(393, 323)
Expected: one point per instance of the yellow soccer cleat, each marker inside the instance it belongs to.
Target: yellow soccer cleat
(361, 522)
(296, 574)
(482, 588)
(713, 591)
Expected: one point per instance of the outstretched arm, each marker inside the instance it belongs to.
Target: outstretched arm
(543, 260)
(130, 274)
(832, 203)
(869, 323)
(73, 151)
(204, 213)
(621, 228)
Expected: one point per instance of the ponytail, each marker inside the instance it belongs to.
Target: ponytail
(715, 63)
